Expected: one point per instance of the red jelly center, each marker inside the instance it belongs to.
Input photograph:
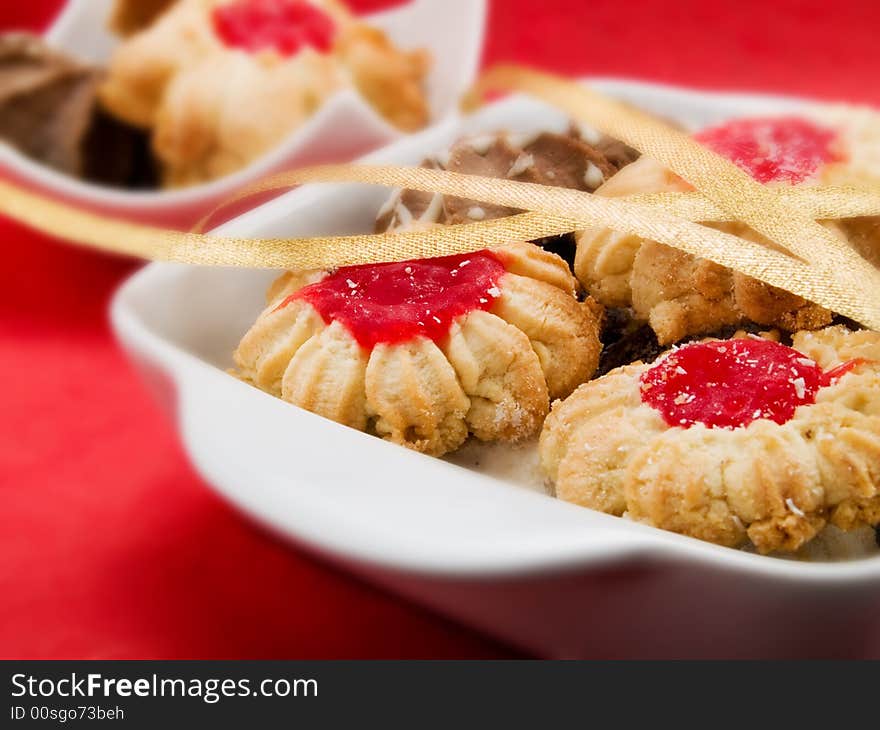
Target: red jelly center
(391, 303)
(734, 382)
(781, 149)
(285, 26)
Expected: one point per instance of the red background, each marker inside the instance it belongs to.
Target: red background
(112, 548)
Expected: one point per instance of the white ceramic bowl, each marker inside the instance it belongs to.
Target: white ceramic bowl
(343, 128)
(557, 579)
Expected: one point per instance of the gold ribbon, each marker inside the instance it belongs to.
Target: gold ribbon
(822, 268)
(718, 179)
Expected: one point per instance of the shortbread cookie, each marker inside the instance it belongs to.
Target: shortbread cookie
(424, 353)
(681, 295)
(729, 440)
(221, 82)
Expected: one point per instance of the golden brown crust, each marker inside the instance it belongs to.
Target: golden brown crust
(390, 79)
(327, 375)
(562, 330)
(526, 259)
(774, 307)
(131, 16)
(492, 377)
(776, 485)
(413, 393)
(501, 375)
(266, 350)
(604, 259)
(679, 294)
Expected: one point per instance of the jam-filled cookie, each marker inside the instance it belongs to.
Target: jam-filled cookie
(424, 353)
(681, 295)
(729, 440)
(220, 82)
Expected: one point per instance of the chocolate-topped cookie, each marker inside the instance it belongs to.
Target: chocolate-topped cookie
(49, 111)
(546, 158)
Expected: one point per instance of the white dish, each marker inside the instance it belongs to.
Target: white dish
(558, 579)
(344, 127)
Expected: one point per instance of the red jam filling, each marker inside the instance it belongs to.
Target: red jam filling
(781, 149)
(397, 302)
(285, 26)
(731, 383)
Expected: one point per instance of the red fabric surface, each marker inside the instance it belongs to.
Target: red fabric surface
(110, 546)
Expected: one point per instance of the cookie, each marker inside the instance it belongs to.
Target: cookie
(425, 353)
(219, 83)
(681, 295)
(729, 441)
